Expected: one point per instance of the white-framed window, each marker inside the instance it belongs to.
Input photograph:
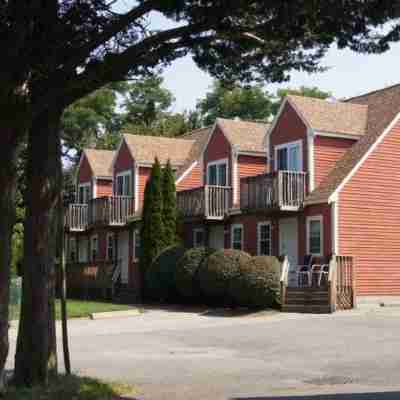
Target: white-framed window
(136, 245)
(264, 238)
(315, 236)
(84, 193)
(124, 183)
(198, 237)
(289, 156)
(83, 250)
(72, 253)
(217, 173)
(237, 237)
(110, 247)
(94, 247)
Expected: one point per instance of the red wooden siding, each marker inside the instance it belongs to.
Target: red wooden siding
(327, 151)
(144, 175)
(124, 162)
(192, 180)
(218, 148)
(369, 219)
(104, 187)
(289, 128)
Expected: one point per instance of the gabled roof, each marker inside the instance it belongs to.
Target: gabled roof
(145, 149)
(244, 135)
(383, 107)
(332, 116)
(100, 162)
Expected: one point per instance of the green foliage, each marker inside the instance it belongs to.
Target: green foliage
(186, 277)
(169, 210)
(258, 283)
(248, 103)
(152, 233)
(218, 274)
(160, 276)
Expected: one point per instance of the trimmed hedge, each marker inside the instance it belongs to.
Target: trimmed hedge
(186, 276)
(160, 277)
(217, 275)
(258, 283)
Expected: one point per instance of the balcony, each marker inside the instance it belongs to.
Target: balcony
(209, 202)
(102, 211)
(282, 190)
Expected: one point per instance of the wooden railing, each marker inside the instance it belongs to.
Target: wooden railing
(280, 190)
(109, 210)
(76, 217)
(341, 283)
(211, 202)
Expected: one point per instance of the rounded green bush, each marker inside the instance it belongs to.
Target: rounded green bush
(258, 283)
(186, 274)
(217, 275)
(160, 277)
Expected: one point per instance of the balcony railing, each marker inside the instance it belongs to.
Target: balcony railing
(110, 211)
(283, 190)
(210, 202)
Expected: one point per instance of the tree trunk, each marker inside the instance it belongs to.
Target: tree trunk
(8, 184)
(36, 356)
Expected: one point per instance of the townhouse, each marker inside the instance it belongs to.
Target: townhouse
(322, 178)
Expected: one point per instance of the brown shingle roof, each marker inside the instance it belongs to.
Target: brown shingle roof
(145, 149)
(332, 116)
(246, 135)
(100, 161)
(383, 106)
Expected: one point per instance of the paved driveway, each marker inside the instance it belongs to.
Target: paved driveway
(173, 355)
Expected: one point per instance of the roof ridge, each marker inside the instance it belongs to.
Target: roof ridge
(155, 137)
(195, 131)
(253, 121)
(371, 92)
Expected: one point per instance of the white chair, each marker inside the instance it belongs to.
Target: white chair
(305, 271)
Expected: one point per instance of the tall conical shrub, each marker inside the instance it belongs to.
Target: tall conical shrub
(169, 211)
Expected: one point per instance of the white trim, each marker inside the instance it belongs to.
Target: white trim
(136, 188)
(236, 226)
(127, 172)
(335, 226)
(221, 161)
(252, 153)
(94, 188)
(288, 145)
(364, 157)
(235, 175)
(186, 173)
(259, 225)
(135, 233)
(309, 219)
(195, 231)
(311, 160)
(338, 135)
(110, 234)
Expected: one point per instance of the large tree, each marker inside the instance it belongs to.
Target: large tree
(55, 52)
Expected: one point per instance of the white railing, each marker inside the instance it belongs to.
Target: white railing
(77, 217)
(292, 188)
(121, 208)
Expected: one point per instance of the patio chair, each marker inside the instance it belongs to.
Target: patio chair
(305, 271)
(321, 271)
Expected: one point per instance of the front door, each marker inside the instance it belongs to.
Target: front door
(123, 255)
(217, 237)
(288, 245)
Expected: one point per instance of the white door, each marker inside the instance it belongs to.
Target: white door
(288, 245)
(217, 237)
(123, 255)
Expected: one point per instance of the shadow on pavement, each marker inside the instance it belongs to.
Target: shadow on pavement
(346, 396)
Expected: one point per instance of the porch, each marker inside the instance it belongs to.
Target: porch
(282, 190)
(102, 211)
(333, 290)
(209, 202)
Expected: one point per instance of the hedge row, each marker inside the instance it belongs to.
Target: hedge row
(222, 277)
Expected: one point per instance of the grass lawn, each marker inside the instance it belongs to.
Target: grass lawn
(72, 388)
(79, 308)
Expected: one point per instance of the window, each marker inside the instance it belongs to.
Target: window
(83, 250)
(72, 249)
(136, 245)
(217, 173)
(198, 238)
(124, 186)
(110, 247)
(84, 193)
(94, 247)
(288, 156)
(264, 242)
(237, 237)
(315, 236)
